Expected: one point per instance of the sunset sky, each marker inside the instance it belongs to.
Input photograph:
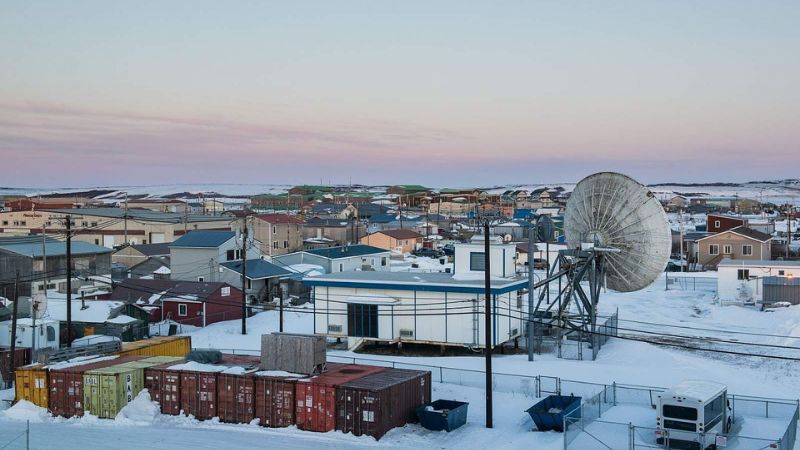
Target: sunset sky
(442, 93)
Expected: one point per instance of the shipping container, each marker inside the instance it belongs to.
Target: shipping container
(146, 362)
(294, 353)
(236, 389)
(164, 386)
(66, 382)
(9, 362)
(159, 346)
(107, 390)
(315, 397)
(274, 400)
(199, 394)
(31, 384)
(376, 403)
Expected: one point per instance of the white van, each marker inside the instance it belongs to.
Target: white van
(692, 414)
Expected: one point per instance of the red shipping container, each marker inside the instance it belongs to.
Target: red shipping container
(164, 386)
(375, 404)
(9, 362)
(315, 397)
(236, 389)
(66, 384)
(274, 406)
(199, 394)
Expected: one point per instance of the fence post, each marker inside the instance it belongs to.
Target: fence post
(631, 436)
(537, 387)
(767, 403)
(28, 434)
(614, 393)
(441, 378)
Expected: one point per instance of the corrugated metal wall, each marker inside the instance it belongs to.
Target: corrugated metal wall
(782, 289)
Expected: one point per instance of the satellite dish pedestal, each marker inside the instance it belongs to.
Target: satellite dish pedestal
(618, 238)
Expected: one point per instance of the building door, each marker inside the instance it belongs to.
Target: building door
(362, 320)
(156, 238)
(108, 241)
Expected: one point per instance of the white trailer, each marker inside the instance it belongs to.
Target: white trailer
(692, 415)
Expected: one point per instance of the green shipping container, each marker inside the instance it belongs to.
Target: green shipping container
(106, 391)
(153, 361)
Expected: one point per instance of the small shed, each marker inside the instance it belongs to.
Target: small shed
(782, 289)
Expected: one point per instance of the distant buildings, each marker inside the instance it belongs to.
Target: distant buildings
(110, 227)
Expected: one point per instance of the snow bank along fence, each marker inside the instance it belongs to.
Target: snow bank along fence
(19, 440)
(590, 431)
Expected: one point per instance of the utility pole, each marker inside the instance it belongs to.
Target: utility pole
(680, 220)
(44, 257)
(280, 309)
(125, 218)
(789, 217)
(14, 310)
(531, 259)
(488, 322)
(69, 280)
(244, 276)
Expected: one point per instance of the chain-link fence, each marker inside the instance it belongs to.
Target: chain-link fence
(17, 440)
(565, 343)
(675, 281)
(590, 431)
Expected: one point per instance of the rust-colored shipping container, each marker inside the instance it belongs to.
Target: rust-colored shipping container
(31, 384)
(375, 404)
(236, 389)
(315, 397)
(199, 394)
(158, 346)
(66, 396)
(274, 400)
(9, 362)
(164, 386)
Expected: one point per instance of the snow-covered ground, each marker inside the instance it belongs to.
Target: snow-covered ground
(693, 317)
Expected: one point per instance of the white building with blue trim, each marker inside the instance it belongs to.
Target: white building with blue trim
(429, 308)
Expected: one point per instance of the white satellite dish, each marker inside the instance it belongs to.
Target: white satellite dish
(611, 210)
(39, 305)
(617, 237)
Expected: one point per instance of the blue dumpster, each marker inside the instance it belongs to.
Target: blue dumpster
(443, 415)
(549, 413)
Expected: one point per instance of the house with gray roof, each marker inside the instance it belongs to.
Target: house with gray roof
(198, 255)
(263, 279)
(34, 258)
(340, 259)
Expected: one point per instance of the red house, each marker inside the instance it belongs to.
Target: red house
(717, 223)
(194, 303)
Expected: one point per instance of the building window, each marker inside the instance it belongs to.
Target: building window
(144, 241)
(383, 261)
(182, 310)
(476, 261)
(743, 274)
(24, 223)
(5, 222)
(285, 244)
(727, 249)
(274, 229)
(275, 244)
(716, 224)
(94, 224)
(201, 279)
(780, 273)
(84, 223)
(341, 267)
(97, 242)
(747, 250)
(230, 255)
(713, 249)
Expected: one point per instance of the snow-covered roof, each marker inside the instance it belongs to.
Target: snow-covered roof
(163, 270)
(701, 390)
(96, 311)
